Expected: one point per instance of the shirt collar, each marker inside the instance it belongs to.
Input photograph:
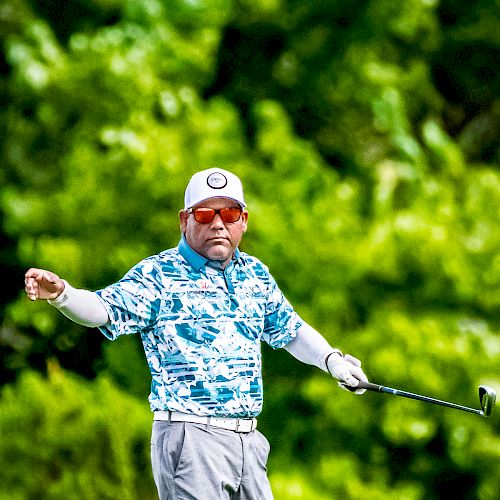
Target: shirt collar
(193, 258)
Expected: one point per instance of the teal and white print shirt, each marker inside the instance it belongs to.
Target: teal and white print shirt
(201, 328)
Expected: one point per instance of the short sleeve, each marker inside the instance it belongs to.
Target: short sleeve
(281, 322)
(133, 302)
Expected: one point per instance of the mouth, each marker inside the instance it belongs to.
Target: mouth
(218, 240)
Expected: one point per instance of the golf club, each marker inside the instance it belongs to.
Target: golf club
(487, 397)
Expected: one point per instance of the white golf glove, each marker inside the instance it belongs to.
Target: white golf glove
(347, 370)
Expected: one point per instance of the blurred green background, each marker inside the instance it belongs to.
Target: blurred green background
(366, 133)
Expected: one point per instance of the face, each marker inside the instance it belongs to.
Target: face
(216, 240)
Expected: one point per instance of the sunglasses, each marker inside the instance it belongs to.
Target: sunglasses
(206, 215)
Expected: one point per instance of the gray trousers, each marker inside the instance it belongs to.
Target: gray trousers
(199, 462)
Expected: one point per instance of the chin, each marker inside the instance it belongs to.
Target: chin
(221, 255)
(219, 251)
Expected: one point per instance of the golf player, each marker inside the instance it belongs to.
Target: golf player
(202, 309)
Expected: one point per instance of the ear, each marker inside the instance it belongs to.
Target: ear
(244, 220)
(183, 217)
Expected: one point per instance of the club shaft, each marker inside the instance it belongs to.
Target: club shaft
(396, 392)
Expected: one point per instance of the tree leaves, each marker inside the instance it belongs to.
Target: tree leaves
(364, 134)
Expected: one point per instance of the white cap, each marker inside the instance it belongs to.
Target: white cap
(213, 183)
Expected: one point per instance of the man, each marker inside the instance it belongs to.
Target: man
(202, 310)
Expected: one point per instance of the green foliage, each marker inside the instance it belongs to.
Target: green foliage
(366, 134)
(66, 438)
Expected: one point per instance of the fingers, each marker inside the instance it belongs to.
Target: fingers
(356, 372)
(352, 359)
(349, 373)
(31, 279)
(37, 283)
(33, 273)
(351, 383)
(348, 378)
(343, 371)
(40, 274)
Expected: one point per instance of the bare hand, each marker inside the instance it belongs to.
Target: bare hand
(42, 284)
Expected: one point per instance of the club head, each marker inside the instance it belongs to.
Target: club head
(487, 397)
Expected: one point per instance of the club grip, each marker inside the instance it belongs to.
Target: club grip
(365, 385)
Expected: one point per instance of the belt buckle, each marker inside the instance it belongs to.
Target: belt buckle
(241, 425)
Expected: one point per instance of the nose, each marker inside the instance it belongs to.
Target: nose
(217, 222)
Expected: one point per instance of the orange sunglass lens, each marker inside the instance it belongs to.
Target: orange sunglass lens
(204, 215)
(230, 214)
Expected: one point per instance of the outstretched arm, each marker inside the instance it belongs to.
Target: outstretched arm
(310, 347)
(81, 306)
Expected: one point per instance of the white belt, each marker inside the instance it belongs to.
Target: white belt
(231, 424)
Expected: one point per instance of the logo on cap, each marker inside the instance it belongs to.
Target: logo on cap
(217, 180)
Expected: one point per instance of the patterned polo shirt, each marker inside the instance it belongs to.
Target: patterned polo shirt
(201, 328)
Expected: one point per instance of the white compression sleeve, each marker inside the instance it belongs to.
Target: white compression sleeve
(310, 347)
(81, 306)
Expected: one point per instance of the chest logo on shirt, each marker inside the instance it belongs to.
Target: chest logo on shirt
(203, 284)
